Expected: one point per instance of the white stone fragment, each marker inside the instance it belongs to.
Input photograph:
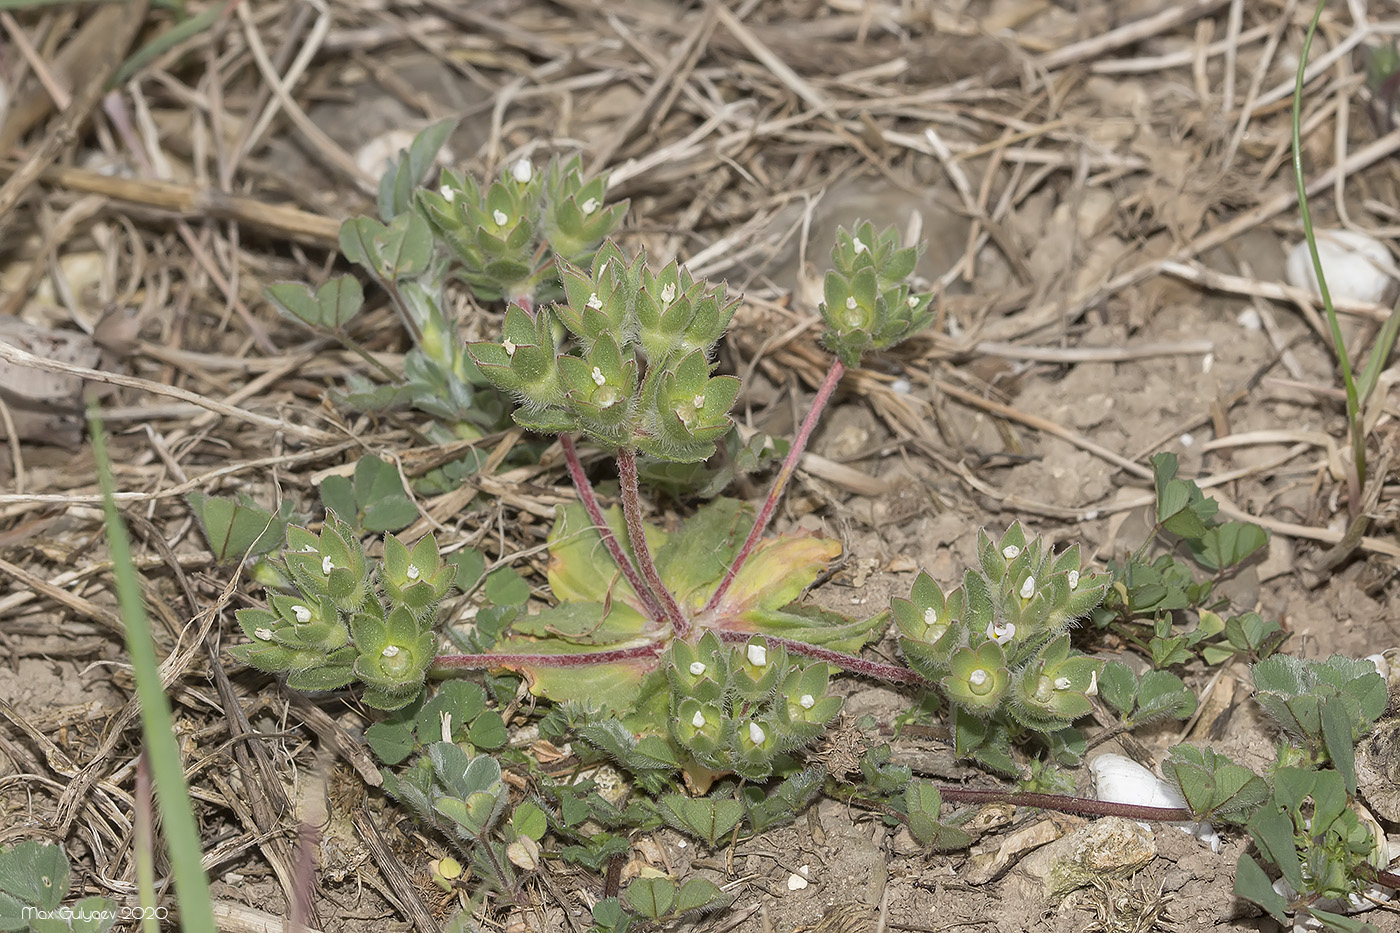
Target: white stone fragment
(1249, 319)
(1357, 267)
(1121, 780)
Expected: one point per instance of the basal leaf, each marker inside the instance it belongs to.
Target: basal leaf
(616, 684)
(776, 573)
(694, 558)
(580, 567)
(584, 623)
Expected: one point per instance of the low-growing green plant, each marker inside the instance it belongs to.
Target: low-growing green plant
(500, 241)
(157, 724)
(1157, 589)
(683, 652)
(1358, 388)
(35, 878)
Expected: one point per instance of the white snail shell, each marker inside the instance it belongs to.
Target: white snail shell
(1122, 780)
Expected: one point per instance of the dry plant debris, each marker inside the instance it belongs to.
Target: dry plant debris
(1105, 193)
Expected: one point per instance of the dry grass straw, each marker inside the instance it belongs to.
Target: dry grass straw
(222, 167)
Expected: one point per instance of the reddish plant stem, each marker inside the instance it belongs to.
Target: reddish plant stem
(589, 498)
(1388, 878)
(1065, 804)
(636, 530)
(770, 505)
(488, 661)
(850, 662)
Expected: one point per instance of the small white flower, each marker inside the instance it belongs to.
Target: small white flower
(1072, 578)
(698, 401)
(598, 377)
(1011, 552)
(445, 721)
(1187, 440)
(913, 301)
(589, 206)
(327, 566)
(758, 655)
(263, 634)
(302, 613)
(697, 668)
(977, 678)
(668, 293)
(447, 193)
(522, 171)
(500, 218)
(595, 302)
(412, 573)
(930, 616)
(508, 347)
(851, 303)
(390, 651)
(1062, 683)
(1001, 632)
(1093, 690)
(807, 701)
(756, 734)
(860, 247)
(1028, 588)
(698, 720)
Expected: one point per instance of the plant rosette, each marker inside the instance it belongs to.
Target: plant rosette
(602, 646)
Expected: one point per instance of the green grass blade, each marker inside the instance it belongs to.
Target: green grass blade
(1380, 354)
(191, 884)
(1358, 439)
